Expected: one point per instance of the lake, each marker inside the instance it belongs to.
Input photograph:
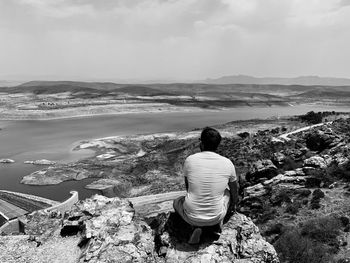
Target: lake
(55, 139)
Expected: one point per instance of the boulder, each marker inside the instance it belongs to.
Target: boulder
(293, 153)
(296, 172)
(285, 178)
(239, 241)
(341, 160)
(317, 162)
(261, 169)
(279, 157)
(319, 140)
(255, 191)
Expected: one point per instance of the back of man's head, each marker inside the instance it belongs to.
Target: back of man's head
(210, 139)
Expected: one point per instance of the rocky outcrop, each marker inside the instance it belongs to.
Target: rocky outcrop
(58, 174)
(101, 229)
(318, 162)
(262, 169)
(41, 162)
(111, 187)
(239, 241)
(321, 139)
(6, 161)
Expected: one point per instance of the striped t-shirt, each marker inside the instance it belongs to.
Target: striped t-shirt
(208, 174)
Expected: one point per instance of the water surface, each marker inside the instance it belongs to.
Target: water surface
(54, 139)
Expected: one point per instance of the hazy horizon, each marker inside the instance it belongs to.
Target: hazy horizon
(173, 40)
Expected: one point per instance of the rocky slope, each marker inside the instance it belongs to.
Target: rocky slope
(144, 164)
(296, 190)
(295, 187)
(103, 229)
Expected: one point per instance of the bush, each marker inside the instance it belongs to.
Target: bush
(293, 208)
(323, 229)
(269, 213)
(312, 117)
(343, 172)
(293, 247)
(275, 229)
(290, 164)
(318, 194)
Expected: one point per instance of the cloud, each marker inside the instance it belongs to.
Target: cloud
(174, 38)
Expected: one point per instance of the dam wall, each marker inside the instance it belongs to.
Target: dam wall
(66, 205)
(16, 225)
(12, 226)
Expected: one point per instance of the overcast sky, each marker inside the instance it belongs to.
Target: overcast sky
(174, 39)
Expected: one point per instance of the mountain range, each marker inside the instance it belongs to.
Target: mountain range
(230, 79)
(302, 80)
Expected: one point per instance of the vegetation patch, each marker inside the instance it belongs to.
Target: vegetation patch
(314, 240)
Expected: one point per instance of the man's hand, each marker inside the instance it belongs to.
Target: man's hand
(234, 196)
(232, 208)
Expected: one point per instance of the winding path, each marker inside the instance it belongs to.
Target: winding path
(286, 135)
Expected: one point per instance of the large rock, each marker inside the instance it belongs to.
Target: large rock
(319, 140)
(255, 190)
(101, 229)
(318, 162)
(111, 187)
(240, 241)
(279, 157)
(261, 169)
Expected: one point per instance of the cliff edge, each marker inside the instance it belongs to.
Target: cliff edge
(101, 229)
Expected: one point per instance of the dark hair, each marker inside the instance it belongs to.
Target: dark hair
(210, 138)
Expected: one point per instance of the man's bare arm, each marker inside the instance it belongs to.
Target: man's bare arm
(234, 195)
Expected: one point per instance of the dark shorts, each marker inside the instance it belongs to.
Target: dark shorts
(178, 207)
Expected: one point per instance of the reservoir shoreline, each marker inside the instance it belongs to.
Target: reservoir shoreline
(24, 140)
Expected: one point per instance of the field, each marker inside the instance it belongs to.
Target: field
(46, 100)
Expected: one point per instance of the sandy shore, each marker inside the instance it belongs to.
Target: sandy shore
(68, 115)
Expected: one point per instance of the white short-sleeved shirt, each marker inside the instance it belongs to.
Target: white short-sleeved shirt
(208, 174)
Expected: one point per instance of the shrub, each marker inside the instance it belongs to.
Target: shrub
(293, 208)
(311, 117)
(290, 164)
(293, 247)
(343, 172)
(244, 135)
(275, 229)
(269, 213)
(323, 229)
(318, 194)
(315, 204)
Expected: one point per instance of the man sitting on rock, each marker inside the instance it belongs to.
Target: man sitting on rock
(211, 185)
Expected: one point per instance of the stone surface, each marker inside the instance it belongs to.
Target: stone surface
(262, 169)
(240, 241)
(101, 229)
(316, 162)
(279, 157)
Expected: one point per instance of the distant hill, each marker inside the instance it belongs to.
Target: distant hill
(140, 90)
(91, 85)
(223, 91)
(9, 83)
(303, 80)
